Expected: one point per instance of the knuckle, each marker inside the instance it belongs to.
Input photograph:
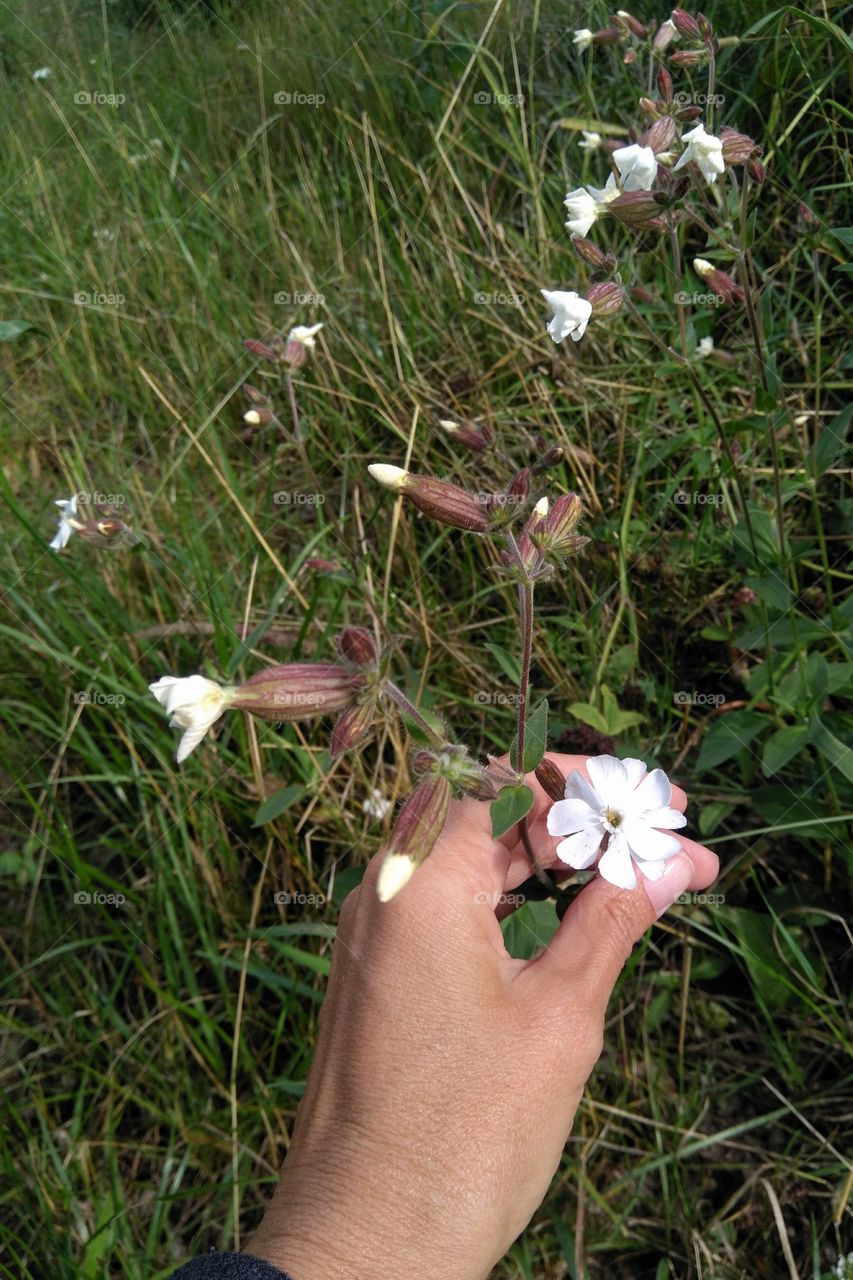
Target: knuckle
(621, 927)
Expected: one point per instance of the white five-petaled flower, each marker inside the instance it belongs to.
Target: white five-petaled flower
(591, 140)
(637, 167)
(706, 150)
(582, 39)
(68, 522)
(585, 204)
(571, 314)
(304, 333)
(194, 703)
(705, 348)
(41, 73)
(628, 805)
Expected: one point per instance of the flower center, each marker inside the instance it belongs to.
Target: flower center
(612, 820)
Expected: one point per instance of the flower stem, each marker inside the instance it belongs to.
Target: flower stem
(525, 598)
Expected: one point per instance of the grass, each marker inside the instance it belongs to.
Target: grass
(155, 1048)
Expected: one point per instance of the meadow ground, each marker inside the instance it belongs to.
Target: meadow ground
(187, 177)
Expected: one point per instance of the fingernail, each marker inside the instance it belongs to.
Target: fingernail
(676, 878)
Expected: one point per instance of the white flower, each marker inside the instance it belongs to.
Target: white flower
(304, 333)
(585, 204)
(68, 523)
(705, 150)
(396, 871)
(194, 703)
(591, 140)
(571, 314)
(637, 167)
(41, 73)
(705, 348)
(665, 34)
(582, 39)
(625, 803)
(702, 267)
(377, 805)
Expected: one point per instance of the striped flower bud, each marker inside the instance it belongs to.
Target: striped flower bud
(351, 727)
(630, 22)
(686, 58)
(661, 135)
(555, 536)
(356, 645)
(445, 502)
(664, 81)
(474, 438)
(259, 417)
(636, 208)
(551, 779)
(606, 298)
(418, 826)
(254, 395)
(685, 24)
(589, 251)
(738, 148)
(719, 282)
(274, 352)
(297, 691)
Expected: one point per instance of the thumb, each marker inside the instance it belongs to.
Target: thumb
(599, 931)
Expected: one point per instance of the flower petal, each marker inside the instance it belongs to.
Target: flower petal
(616, 866)
(566, 816)
(578, 787)
(654, 792)
(580, 850)
(635, 770)
(670, 818)
(610, 780)
(651, 870)
(647, 843)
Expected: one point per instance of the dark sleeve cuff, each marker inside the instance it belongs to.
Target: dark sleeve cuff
(228, 1266)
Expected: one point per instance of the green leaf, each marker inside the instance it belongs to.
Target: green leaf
(755, 935)
(529, 928)
(838, 755)
(509, 665)
(617, 721)
(536, 736)
(12, 329)
(712, 814)
(729, 735)
(510, 807)
(418, 733)
(277, 803)
(782, 746)
(588, 714)
(831, 443)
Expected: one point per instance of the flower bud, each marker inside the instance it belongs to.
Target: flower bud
(351, 726)
(606, 299)
(418, 826)
(551, 779)
(298, 691)
(608, 35)
(445, 502)
(631, 23)
(635, 208)
(550, 458)
(274, 352)
(356, 645)
(555, 533)
(686, 58)
(254, 395)
(259, 417)
(630, 57)
(589, 252)
(649, 108)
(719, 282)
(661, 135)
(519, 485)
(756, 170)
(664, 80)
(685, 24)
(664, 37)
(474, 438)
(738, 148)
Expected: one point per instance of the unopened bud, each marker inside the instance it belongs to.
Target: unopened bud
(274, 352)
(704, 25)
(718, 281)
(445, 502)
(608, 35)
(630, 57)
(606, 298)
(661, 135)
(418, 826)
(635, 208)
(298, 691)
(474, 438)
(254, 395)
(356, 645)
(351, 726)
(686, 58)
(806, 216)
(664, 80)
(519, 485)
(738, 148)
(664, 37)
(550, 458)
(685, 24)
(756, 170)
(295, 353)
(555, 534)
(649, 108)
(589, 251)
(633, 24)
(551, 779)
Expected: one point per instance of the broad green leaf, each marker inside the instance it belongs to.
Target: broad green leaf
(510, 807)
(617, 721)
(588, 714)
(729, 735)
(838, 755)
(277, 803)
(12, 329)
(509, 665)
(536, 736)
(782, 746)
(831, 443)
(755, 935)
(418, 733)
(529, 928)
(712, 814)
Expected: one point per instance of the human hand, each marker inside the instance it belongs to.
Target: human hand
(447, 1074)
